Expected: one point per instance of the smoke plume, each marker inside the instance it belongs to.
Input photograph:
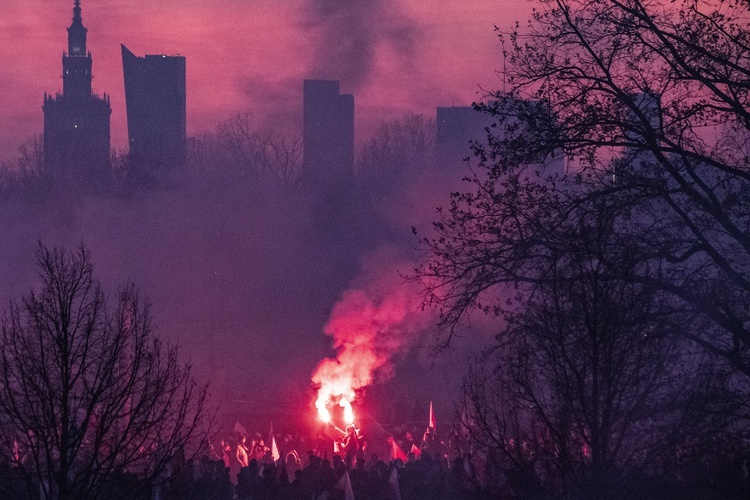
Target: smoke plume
(348, 33)
(370, 326)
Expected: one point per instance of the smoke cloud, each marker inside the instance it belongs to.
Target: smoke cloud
(259, 282)
(370, 326)
(347, 35)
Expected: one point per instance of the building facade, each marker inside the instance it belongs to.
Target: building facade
(76, 122)
(328, 131)
(457, 127)
(156, 101)
(461, 127)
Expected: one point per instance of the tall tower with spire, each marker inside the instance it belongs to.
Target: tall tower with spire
(76, 122)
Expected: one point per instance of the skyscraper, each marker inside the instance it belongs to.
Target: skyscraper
(76, 122)
(328, 131)
(155, 97)
(457, 127)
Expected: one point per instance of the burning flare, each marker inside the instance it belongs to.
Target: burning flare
(369, 328)
(348, 412)
(323, 412)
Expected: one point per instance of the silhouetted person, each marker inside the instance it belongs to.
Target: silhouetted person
(241, 453)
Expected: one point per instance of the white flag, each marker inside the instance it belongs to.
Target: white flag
(346, 484)
(272, 444)
(393, 481)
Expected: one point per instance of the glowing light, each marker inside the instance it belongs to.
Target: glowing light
(323, 412)
(368, 327)
(348, 411)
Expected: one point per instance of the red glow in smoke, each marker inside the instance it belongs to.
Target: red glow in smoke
(369, 327)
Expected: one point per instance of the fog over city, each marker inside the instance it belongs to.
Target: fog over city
(398, 56)
(244, 274)
(374, 249)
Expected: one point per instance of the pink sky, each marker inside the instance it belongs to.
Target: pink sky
(252, 55)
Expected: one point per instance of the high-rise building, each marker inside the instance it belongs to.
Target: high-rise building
(76, 122)
(328, 131)
(155, 97)
(457, 127)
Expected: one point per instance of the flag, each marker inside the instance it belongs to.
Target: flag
(346, 484)
(393, 482)
(239, 429)
(415, 450)
(396, 451)
(272, 444)
(467, 465)
(432, 419)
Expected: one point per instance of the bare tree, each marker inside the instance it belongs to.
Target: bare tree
(649, 102)
(203, 154)
(399, 147)
(589, 390)
(25, 172)
(639, 94)
(238, 148)
(30, 162)
(239, 140)
(281, 158)
(88, 395)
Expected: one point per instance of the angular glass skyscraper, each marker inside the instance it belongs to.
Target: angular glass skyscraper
(155, 97)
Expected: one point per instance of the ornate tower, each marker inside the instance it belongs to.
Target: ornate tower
(77, 63)
(76, 122)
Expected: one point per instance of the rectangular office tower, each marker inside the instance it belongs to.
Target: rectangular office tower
(457, 127)
(328, 131)
(155, 98)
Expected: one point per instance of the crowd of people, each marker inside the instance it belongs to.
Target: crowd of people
(427, 471)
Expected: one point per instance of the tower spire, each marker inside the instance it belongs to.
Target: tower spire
(77, 33)
(77, 11)
(77, 62)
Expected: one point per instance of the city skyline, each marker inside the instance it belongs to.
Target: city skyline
(413, 62)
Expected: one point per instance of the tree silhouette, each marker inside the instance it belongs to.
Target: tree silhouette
(398, 148)
(649, 102)
(92, 404)
(589, 390)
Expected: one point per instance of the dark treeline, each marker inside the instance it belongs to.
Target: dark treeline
(240, 149)
(621, 364)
